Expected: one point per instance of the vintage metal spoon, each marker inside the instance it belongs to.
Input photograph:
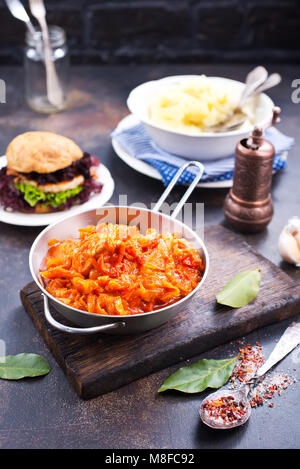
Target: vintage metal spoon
(18, 11)
(257, 83)
(54, 91)
(288, 341)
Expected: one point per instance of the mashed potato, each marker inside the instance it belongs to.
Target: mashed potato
(193, 106)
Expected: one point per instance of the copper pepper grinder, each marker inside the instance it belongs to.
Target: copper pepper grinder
(248, 206)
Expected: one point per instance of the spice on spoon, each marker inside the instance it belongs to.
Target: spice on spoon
(225, 408)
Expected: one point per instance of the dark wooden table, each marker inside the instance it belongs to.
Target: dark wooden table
(46, 412)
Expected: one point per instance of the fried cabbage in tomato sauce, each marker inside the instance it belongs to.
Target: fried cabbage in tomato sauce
(116, 270)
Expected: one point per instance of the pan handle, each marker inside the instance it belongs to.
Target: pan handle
(76, 330)
(187, 193)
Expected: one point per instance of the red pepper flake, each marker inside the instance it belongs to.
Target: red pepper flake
(256, 401)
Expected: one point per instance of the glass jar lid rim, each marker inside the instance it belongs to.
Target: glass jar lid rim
(57, 36)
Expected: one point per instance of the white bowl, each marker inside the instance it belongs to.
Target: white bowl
(204, 146)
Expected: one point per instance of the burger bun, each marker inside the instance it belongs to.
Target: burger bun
(42, 152)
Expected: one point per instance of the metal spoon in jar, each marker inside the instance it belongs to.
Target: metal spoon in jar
(257, 81)
(288, 341)
(54, 90)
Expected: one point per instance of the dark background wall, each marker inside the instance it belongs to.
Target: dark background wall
(119, 31)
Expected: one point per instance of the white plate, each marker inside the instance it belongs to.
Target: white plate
(148, 170)
(36, 219)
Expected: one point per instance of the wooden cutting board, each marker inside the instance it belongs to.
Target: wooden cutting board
(97, 364)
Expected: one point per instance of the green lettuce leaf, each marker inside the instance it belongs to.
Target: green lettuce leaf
(33, 195)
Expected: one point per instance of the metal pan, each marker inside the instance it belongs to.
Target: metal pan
(68, 227)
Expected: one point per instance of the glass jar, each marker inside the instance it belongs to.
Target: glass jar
(35, 71)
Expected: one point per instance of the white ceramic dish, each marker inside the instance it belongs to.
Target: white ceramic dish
(34, 219)
(206, 146)
(148, 170)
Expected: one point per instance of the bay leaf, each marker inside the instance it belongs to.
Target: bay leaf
(206, 373)
(23, 365)
(241, 289)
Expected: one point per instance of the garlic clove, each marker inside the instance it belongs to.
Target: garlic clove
(289, 242)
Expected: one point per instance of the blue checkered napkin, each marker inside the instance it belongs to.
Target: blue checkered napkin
(137, 142)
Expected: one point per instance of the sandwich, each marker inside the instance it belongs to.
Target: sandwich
(45, 173)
